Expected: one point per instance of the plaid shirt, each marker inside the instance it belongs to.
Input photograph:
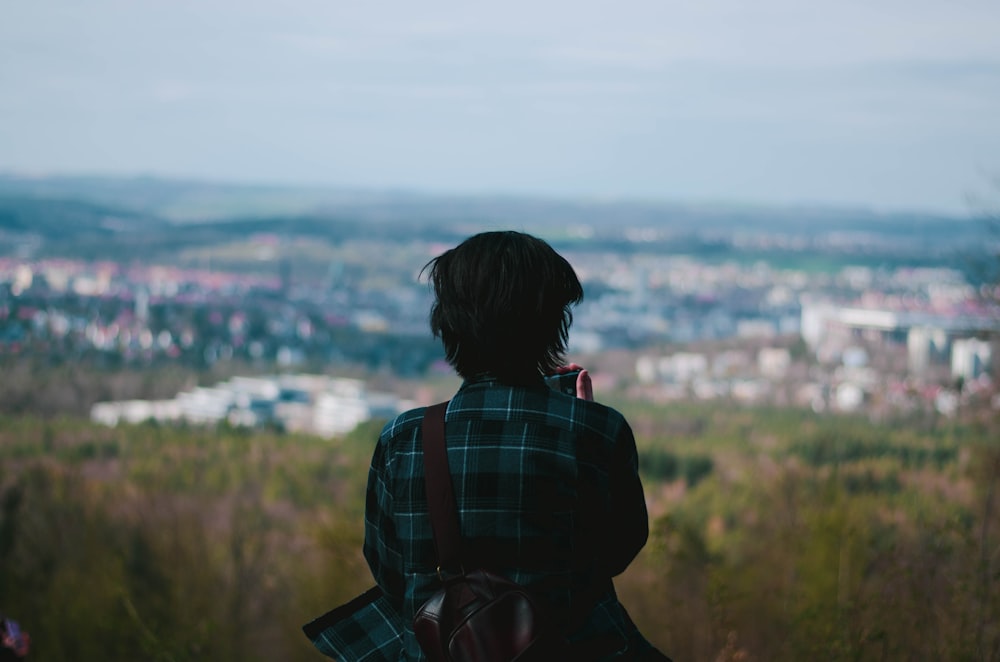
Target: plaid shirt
(548, 495)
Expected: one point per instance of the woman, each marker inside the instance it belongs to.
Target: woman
(546, 483)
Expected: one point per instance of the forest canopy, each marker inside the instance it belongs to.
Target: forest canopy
(777, 535)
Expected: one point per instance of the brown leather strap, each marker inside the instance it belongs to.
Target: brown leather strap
(437, 484)
(448, 537)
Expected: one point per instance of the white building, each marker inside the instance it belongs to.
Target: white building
(923, 345)
(206, 405)
(849, 396)
(970, 358)
(683, 367)
(315, 404)
(773, 362)
(134, 411)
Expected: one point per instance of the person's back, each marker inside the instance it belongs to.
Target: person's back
(546, 484)
(547, 493)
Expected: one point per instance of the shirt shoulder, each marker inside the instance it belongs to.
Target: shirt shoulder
(399, 436)
(541, 406)
(403, 423)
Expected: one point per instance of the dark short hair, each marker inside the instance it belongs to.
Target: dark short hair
(502, 305)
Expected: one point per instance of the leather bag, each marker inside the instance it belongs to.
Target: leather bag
(476, 616)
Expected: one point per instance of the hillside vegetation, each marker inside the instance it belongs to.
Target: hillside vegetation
(777, 535)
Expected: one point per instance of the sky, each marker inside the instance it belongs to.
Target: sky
(886, 104)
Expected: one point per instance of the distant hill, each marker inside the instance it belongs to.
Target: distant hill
(186, 201)
(143, 216)
(85, 228)
(69, 218)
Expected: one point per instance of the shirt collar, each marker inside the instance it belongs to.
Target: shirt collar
(490, 379)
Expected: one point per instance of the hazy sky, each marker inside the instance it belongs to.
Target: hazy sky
(893, 104)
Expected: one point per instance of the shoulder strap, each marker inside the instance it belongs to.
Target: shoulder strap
(445, 522)
(437, 484)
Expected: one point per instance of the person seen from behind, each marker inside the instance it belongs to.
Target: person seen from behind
(546, 484)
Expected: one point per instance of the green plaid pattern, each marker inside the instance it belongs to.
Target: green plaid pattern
(368, 628)
(548, 494)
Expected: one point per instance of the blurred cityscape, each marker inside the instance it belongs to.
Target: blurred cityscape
(859, 338)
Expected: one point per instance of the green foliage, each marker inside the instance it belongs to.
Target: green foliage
(660, 465)
(775, 536)
(828, 449)
(851, 542)
(160, 543)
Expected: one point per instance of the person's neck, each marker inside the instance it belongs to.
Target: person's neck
(520, 378)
